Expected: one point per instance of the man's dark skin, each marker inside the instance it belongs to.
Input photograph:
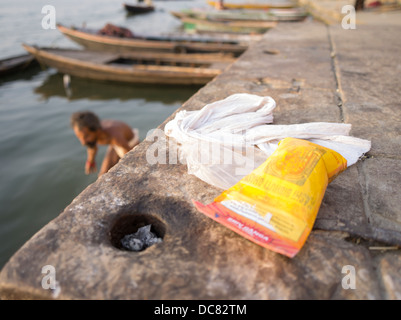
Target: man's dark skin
(359, 5)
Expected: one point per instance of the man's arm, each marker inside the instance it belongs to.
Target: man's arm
(90, 165)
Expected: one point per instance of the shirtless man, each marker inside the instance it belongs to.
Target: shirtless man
(220, 5)
(92, 132)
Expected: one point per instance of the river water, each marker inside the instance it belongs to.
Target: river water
(41, 161)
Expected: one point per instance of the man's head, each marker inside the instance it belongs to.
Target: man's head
(86, 126)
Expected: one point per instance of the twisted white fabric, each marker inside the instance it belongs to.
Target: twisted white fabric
(228, 139)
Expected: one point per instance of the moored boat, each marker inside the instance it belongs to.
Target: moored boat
(15, 64)
(141, 67)
(254, 5)
(295, 14)
(91, 39)
(202, 25)
(138, 9)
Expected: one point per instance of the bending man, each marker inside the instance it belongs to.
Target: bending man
(92, 132)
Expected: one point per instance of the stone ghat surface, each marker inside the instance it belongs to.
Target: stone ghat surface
(315, 73)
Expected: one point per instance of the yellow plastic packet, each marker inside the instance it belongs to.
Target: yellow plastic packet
(276, 205)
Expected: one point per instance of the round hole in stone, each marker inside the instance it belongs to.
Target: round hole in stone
(130, 223)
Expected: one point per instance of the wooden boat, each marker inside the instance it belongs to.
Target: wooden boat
(138, 9)
(202, 25)
(260, 6)
(15, 64)
(288, 13)
(140, 67)
(295, 14)
(94, 41)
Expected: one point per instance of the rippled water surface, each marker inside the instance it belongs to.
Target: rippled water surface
(41, 161)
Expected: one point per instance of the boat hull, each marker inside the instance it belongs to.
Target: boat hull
(132, 9)
(283, 15)
(100, 68)
(244, 27)
(125, 45)
(259, 6)
(15, 64)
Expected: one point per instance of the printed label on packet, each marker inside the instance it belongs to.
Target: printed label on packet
(248, 211)
(289, 227)
(277, 203)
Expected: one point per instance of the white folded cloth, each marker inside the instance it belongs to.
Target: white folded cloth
(229, 138)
